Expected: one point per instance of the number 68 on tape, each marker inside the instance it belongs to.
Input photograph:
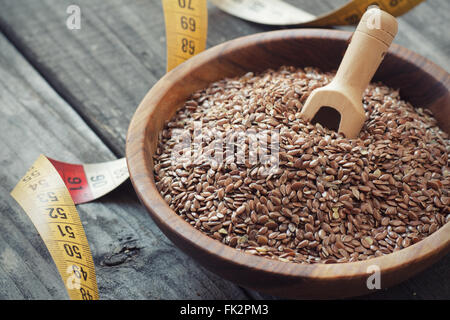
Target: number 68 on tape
(186, 29)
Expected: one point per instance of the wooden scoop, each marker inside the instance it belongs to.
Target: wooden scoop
(338, 105)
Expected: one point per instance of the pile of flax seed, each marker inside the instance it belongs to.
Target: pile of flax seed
(329, 199)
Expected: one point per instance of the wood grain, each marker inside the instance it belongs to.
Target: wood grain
(300, 48)
(133, 259)
(104, 70)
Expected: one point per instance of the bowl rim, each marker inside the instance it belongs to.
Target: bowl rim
(436, 244)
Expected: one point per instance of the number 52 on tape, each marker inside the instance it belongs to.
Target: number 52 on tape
(48, 193)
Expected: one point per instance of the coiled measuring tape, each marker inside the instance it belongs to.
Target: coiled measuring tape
(277, 12)
(50, 189)
(48, 193)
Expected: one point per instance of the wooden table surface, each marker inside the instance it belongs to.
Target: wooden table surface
(70, 94)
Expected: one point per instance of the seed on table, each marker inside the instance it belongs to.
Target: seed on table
(366, 242)
(297, 186)
(400, 229)
(283, 227)
(314, 163)
(291, 227)
(391, 211)
(356, 193)
(263, 230)
(273, 235)
(392, 235)
(187, 205)
(326, 227)
(253, 217)
(344, 253)
(433, 228)
(263, 219)
(309, 227)
(322, 234)
(395, 223)
(381, 235)
(233, 241)
(406, 242)
(435, 184)
(437, 202)
(217, 236)
(240, 210)
(262, 240)
(276, 201)
(303, 244)
(347, 204)
(274, 215)
(399, 242)
(281, 236)
(229, 188)
(347, 238)
(364, 188)
(309, 236)
(335, 213)
(271, 224)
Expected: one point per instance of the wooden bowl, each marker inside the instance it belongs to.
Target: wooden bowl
(420, 81)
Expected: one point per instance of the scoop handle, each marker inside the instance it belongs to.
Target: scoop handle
(368, 45)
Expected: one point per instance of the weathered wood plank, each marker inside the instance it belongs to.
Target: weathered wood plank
(104, 69)
(133, 259)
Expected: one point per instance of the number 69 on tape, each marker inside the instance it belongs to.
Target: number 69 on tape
(186, 29)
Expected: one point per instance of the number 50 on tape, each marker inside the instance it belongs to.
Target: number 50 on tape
(48, 193)
(48, 203)
(50, 189)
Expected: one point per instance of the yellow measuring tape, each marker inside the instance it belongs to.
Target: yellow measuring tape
(50, 189)
(47, 201)
(277, 12)
(186, 29)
